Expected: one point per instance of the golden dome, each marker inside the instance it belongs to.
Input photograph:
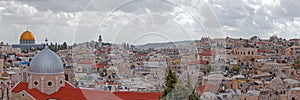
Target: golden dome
(27, 35)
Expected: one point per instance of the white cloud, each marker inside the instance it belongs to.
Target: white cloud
(16, 17)
(82, 20)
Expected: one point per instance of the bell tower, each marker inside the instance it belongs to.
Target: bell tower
(100, 41)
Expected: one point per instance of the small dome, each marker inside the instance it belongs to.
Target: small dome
(46, 62)
(27, 35)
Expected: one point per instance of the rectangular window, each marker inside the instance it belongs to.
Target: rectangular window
(84, 70)
(24, 77)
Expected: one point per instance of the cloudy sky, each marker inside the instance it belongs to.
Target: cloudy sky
(142, 21)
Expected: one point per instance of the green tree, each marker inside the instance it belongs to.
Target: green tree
(180, 91)
(246, 43)
(208, 69)
(297, 63)
(65, 45)
(236, 68)
(170, 83)
(184, 91)
(194, 96)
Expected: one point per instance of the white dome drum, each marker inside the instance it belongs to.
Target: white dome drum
(46, 62)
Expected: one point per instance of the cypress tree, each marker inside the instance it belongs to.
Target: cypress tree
(181, 91)
(170, 84)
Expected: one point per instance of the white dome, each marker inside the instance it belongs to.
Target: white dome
(46, 62)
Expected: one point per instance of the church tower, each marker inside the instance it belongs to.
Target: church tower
(46, 72)
(99, 41)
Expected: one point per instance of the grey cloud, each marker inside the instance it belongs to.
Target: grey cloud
(81, 20)
(60, 5)
(155, 5)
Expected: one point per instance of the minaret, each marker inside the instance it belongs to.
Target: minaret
(99, 41)
(46, 43)
(1, 65)
(46, 40)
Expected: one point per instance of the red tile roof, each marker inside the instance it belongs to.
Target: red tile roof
(201, 88)
(99, 95)
(138, 95)
(100, 51)
(140, 55)
(194, 62)
(207, 53)
(207, 88)
(68, 94)
(38, 95)
(203, 62)
(197, 62)
(101, 83)
(65, 93)
(73, 93)
(85, 62)
(261, 42)
(99, 65)
(262, 51)
(19, 55)
(20, 87)
(280, 61)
